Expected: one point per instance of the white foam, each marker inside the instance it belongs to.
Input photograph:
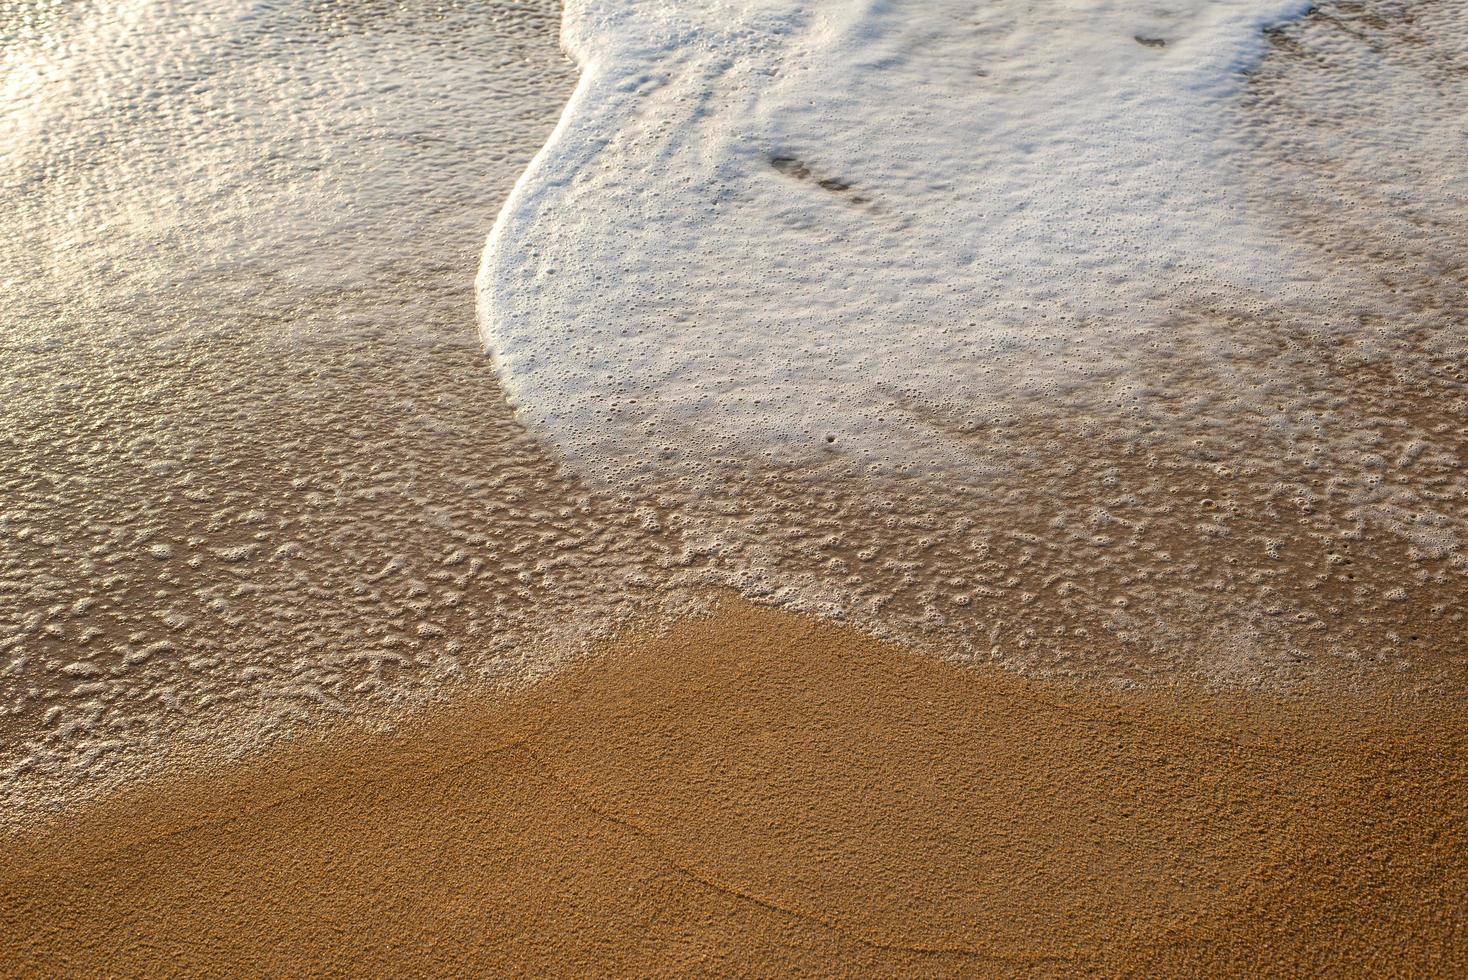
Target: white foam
(1015, 195)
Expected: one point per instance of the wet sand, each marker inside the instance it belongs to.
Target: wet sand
(756, 792)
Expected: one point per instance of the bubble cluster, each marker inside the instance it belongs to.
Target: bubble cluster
(783, 230)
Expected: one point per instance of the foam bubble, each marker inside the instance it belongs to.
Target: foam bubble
(776, 230)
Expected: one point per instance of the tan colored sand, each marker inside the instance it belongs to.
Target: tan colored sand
(759, 793)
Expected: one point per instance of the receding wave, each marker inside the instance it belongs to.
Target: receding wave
(1096, 339)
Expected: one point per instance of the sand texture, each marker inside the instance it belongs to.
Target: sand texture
(759, 793)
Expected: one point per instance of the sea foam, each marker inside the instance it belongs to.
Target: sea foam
(771, 230)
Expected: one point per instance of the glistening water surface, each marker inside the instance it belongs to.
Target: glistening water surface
(257, 468)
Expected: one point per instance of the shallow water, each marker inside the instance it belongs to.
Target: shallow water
(1142, 329)
(257, 467)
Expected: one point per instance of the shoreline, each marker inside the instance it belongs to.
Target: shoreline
(320, 655)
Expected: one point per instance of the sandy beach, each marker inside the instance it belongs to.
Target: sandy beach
(913, 490)
(758, 793)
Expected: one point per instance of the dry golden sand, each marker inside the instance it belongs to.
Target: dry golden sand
(761, 793)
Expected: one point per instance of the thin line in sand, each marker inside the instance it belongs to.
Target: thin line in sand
(758, 792)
